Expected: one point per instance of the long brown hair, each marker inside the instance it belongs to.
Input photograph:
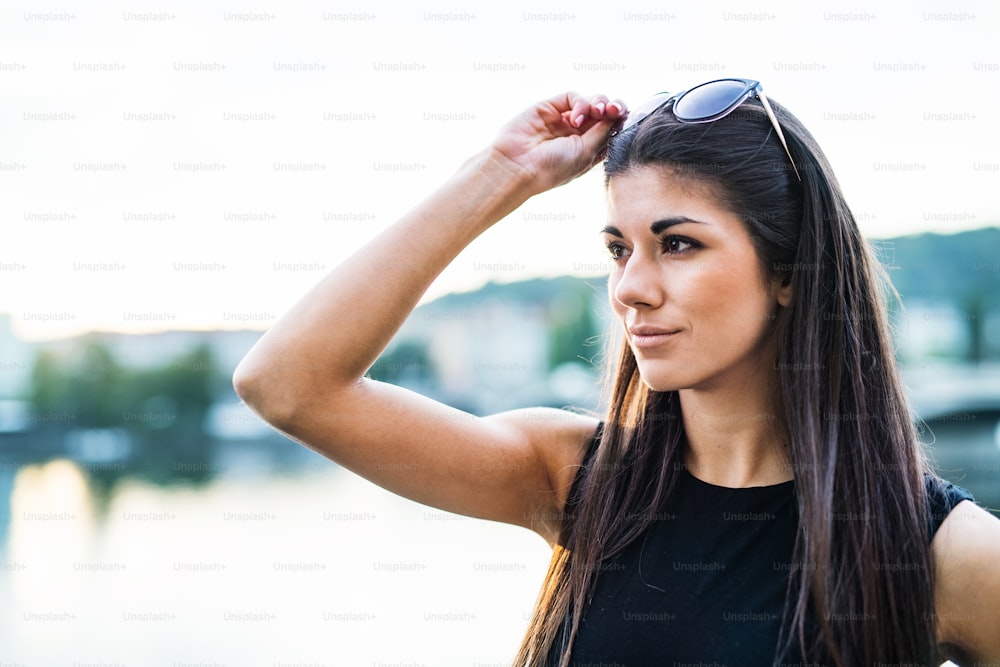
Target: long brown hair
(864, 591)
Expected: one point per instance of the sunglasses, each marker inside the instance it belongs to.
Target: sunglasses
(707, 102)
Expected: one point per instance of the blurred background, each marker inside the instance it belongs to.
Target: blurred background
(174, 177)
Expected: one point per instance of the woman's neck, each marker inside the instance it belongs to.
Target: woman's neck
(734, 437)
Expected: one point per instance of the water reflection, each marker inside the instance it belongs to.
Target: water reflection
(51, 527)
(315, 568)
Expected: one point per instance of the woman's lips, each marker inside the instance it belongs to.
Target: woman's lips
(648, 337)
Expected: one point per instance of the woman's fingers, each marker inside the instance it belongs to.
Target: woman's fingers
(616, 110)
(591, 119)
(561, 137)
(576, 110)
(595, 108)
(587, 107)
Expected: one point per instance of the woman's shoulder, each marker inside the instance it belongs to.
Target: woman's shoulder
(966, 554)
(942, 498)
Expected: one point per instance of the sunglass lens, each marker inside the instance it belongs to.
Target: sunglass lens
(636, 115)
(709, 100)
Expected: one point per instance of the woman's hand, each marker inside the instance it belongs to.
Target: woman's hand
(558, 139)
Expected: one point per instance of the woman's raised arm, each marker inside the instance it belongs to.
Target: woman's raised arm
(305, 376)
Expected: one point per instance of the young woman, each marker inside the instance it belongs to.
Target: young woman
(755, 494)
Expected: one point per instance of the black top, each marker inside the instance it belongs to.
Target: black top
(706, 583)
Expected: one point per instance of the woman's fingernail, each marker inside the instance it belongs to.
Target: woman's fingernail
(578, 121)
(600, 107)
(620, 108)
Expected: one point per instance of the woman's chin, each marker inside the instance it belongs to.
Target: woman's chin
(661, 384)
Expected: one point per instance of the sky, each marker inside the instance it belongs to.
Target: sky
(198, 165)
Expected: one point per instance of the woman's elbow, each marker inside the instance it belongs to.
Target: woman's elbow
(262, 390)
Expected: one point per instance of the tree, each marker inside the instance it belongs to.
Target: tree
(162, 409)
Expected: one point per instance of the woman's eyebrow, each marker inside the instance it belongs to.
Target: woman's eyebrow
(656, 228)
(666, 223)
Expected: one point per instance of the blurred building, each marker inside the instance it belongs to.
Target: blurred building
(16, 358)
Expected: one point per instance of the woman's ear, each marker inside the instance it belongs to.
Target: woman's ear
(782, 290)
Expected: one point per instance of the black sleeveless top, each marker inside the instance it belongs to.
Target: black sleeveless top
(706, 583)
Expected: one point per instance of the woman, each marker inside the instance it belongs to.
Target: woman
(755, 494)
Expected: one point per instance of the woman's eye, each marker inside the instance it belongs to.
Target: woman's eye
(617, 251)
(675, 245)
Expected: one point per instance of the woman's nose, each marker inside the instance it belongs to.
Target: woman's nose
(640, 284)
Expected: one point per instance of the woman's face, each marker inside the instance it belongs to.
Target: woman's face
(687, 284)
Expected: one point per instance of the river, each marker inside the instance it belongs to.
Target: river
(317, 568)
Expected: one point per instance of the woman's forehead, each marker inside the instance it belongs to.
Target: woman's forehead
(644, 195)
